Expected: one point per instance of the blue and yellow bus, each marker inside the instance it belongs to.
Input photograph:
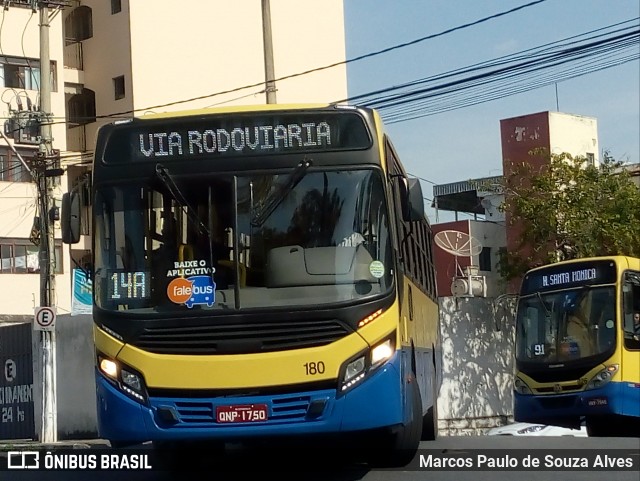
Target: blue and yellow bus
(260, 271)
(578, 345)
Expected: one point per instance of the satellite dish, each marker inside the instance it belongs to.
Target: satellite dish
(458, 243)
(486, 203)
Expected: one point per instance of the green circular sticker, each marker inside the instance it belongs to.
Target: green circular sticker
(377, 269)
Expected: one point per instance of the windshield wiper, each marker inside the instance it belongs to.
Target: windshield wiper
(275, 198)
(166, 179)
(547, 312)
(584, 290)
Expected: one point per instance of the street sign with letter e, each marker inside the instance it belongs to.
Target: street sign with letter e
(45, 319)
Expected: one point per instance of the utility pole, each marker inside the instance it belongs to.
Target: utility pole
(270, 84)
(49, 427)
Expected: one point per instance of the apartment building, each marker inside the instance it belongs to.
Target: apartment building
(113, 59)
(19, 98)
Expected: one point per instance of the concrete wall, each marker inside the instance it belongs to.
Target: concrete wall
(75, 385)
(494, 236)
(76, 399)
(477, 357)
(575, 134)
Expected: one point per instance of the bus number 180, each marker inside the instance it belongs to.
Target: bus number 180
(313, 368)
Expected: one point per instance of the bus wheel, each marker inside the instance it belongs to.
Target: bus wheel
(430, 419)
(399, 447)
(598, 427)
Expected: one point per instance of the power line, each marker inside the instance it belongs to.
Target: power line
(397, 105)
(533, 61)
(335, 64)
(524, 54)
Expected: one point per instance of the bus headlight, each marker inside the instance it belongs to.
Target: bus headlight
(354, 373)
(132, 384)
(603, 377)
(109, 368)
(356, 369)
(126, 379)
(382, 352)
(521, 387)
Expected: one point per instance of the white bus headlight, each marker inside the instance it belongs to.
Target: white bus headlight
(109, 368)
(132, 384)
(126, 379)
(382, 352)
(603, 377)
(354, 368)
(132, 380)
(365, 363)
(521, 387)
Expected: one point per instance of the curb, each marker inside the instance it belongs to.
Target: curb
(71, 444)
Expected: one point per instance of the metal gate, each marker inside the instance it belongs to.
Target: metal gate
(16, 382)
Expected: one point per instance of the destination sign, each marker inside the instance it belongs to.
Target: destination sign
(569, 275)
(124, 285)
(223, 136)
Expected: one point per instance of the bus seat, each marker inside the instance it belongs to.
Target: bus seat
(295, 266)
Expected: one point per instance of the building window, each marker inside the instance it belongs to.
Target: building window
(591, 159)
(484, 259)
(81, 107)
(20, 256)
(24, 73)
(116, 6)
(78, 25)
(12, 169)
(118, 87)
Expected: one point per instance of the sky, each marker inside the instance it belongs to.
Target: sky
(464, 144)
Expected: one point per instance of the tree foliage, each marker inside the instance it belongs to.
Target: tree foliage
(566, 208)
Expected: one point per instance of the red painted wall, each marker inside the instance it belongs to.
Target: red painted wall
(519, 136)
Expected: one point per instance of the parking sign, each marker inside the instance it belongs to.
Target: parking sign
(45, 319)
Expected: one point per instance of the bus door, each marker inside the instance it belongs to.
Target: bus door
(631, 340)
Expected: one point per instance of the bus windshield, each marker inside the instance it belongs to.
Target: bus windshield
(240, 241)
(567, 325)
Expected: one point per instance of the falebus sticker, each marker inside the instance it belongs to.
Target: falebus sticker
(190, 291)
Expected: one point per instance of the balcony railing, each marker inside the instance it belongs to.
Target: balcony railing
(76, 138)
(73, 54)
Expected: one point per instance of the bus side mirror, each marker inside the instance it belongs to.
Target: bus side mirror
(411, 199)
(70, 218)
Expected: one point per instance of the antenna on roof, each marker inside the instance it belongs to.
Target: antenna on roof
(461, 244)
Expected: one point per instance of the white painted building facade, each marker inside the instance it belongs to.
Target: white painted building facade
(131, 57)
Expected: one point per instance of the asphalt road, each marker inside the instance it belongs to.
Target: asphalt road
(301, 462)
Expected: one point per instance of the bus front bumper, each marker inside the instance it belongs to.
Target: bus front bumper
(375, 403)
(613, 398)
